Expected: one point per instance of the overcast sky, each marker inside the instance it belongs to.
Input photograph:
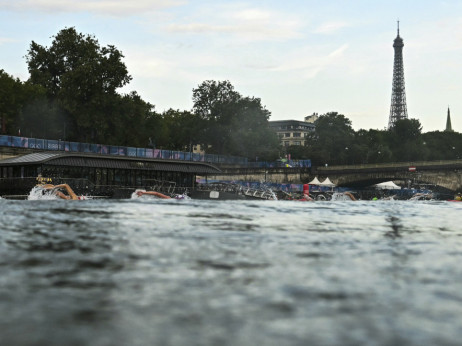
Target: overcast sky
(298, 56)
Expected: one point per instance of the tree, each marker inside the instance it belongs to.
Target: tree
(371, 146)
(9, 101)
(82, 77)
(332, 139)
(405, 140)
(23, 105)
(407, 129)
(41, 118)
(215, 102)
(442, 145)
(129, 120)
(235, 125)
(211, 97)
(184, 129)
(250, 134)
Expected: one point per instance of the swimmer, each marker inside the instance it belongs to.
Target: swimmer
(55, 189)
(349, 194)
(152, 193)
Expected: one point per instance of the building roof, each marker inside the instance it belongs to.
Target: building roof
(107, 161)
(295, 124)
(279, 122)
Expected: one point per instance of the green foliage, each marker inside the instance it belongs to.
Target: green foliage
(23, 104)
(82, 78)
(184, 130)
(10, 101)
(128, 120)
(442, 145)
(334, 142)
(235, 125)
(298, 152)
(372, 146)
(405, 140)
(331, 140)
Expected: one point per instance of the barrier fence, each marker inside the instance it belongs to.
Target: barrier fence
(58, 145)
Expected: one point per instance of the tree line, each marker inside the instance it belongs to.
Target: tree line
(335, 142)
(71, 94)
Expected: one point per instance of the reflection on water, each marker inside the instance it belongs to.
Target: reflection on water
(188, 272)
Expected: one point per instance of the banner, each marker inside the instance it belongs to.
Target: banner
(131, 151)
(34, 143)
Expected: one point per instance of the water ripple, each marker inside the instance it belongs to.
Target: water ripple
(138, 272)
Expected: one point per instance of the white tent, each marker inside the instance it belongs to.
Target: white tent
(327, 182)
(389, 185)
(315, 181)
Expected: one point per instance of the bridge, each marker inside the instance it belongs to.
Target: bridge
(446, 175)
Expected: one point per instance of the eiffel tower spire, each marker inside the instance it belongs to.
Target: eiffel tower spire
(448, 122)
(398, 109)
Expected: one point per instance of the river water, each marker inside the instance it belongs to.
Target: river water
(195, 272)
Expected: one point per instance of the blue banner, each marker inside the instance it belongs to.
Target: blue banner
(55, 145)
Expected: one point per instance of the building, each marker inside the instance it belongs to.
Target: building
(312, 118)
(97, 174)
(294, 132)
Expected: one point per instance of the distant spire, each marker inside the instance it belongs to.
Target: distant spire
(448, 122)
(398, 27)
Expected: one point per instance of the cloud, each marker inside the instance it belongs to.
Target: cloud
(330, 27)
(6, 40)
(111, 7)
(249, 24)
(249, 32)
(253, 14)
(309, 65)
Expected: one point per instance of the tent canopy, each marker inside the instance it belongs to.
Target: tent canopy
(327, 182)
(387, 185)
(315, 181)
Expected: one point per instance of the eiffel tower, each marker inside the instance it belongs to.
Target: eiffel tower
(398, 109)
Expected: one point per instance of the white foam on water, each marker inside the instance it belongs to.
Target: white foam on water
(39, 193)
(135, 196)
(340, 196)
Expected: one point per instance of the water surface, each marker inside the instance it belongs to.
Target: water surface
(193, 272)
